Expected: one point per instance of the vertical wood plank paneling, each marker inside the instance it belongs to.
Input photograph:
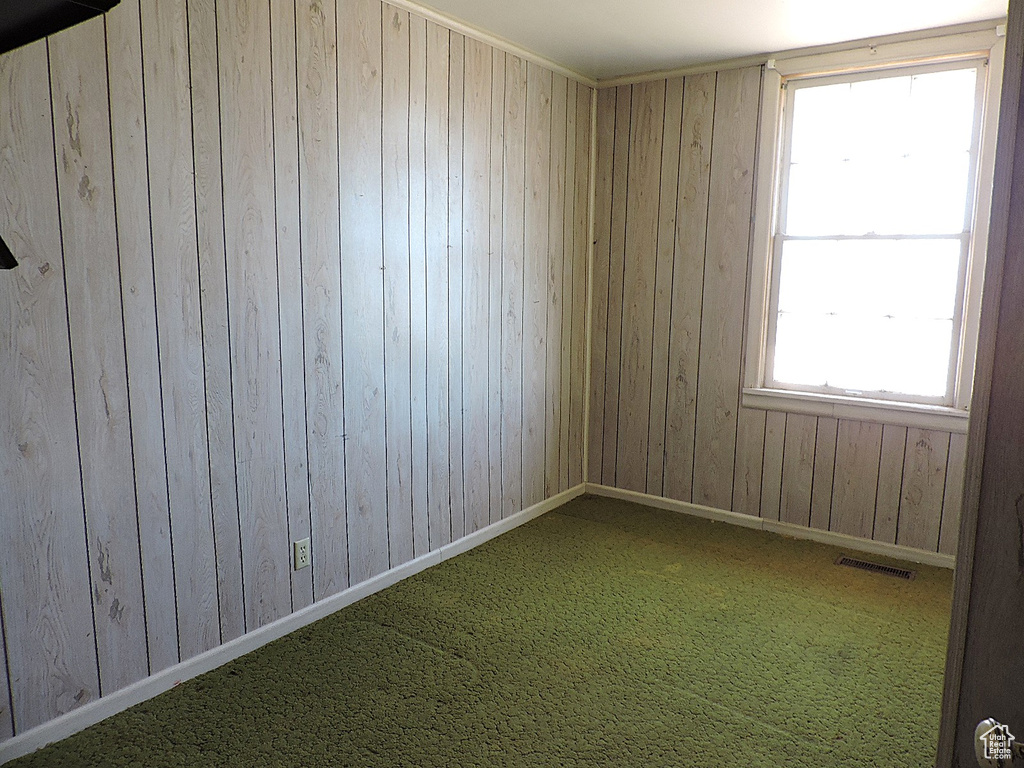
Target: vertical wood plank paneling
(250, 237)
(513, 213)
(824, 470)
(438, 447)
(687, 284)
(397, 319)
(666, 224)
(476, 274)
(496, 206)
(557, 291)
(647, 122)
(890, 481)
(924, 475)
(569, 287)
(48, 619)
(858, 448)
(603, 194)
(95, 316)
(771, 472)
(581, 250)
(127, 125)
(728, 233)
(798, 469)
(456, 139)
(418, 277)
(6, 714)
(207, 164)
(750, 442)
(616, 270)
(179, 321)
(320, 247)
(952, 500)
(289, 279)
(535, 262)
(362, 260)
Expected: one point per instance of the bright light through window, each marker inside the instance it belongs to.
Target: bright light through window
(874, 232)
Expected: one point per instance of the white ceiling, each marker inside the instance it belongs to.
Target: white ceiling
(603, 39)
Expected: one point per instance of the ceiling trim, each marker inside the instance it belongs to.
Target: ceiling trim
(482, 35)
(762, 58)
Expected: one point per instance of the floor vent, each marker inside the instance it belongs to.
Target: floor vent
(885, 570)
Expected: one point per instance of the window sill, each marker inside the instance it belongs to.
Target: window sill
(858, 409)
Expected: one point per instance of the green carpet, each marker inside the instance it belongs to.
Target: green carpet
(603, 634)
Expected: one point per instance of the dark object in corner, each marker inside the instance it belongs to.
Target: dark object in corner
(24, 21)
(6, 257)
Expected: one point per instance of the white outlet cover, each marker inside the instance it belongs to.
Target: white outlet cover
(301, 554)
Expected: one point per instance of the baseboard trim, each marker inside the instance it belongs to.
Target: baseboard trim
(894, 551)
(118, 701)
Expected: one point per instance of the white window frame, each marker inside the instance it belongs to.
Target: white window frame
(977, 43)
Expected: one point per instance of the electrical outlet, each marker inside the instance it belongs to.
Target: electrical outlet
(300, 554)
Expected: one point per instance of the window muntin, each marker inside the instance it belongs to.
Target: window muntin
(872, 240)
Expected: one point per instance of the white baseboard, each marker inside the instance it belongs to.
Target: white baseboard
(118, 701)
(773, 526)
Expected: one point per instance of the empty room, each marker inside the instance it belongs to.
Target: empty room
(489, 384)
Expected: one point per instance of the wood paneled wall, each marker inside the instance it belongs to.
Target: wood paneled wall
(287, 270)
(673, 201)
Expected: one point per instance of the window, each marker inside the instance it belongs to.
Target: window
(872, 212)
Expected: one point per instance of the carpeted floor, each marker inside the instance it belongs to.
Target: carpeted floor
(603, 634)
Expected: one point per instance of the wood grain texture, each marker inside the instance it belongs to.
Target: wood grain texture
(172, 204)
(566, 264)
(798, 469)
(362, 261)
(284, 69)
(44, 563)
(438, 452)
(924, 475)
(771, 469)
(512, 286)
(616, 276)
(134, 239)
(952, 501)
(687, 284)
(890, 482)
(418, 278)
(643, 195)
(397, 318)
(750, 452)
(209, 191)
(456, 138)
(475, 284)
(666, 223)
(580, 257)
(6, 713)
(558, 294)
(824, 472)
(95, 316)
(320, 246)
(535, 269)
(725, 273)
(858, 447)
(496, 201)
(603, 194)
(250, 239)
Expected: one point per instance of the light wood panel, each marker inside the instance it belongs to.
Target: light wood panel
(750, 444)
(924, 483)
(890, 482)
(952, 501)
(89, 236)
(44, 563)
(134, 239)
(220, 413)
(798, 469)
(687, 283)
(289, 242)
(858, 447)
(771, 468)
(824, 472)
(643, 194)
(172, 201)
(362, 287)
(284, 66)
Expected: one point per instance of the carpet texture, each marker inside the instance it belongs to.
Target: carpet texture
(603, 634)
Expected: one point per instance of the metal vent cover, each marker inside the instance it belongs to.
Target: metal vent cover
(885, 570)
